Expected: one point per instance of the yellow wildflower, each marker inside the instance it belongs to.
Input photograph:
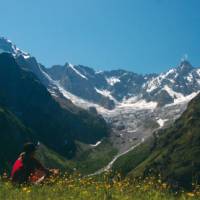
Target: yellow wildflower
(164, 185)
(24, 189)
(190, 194)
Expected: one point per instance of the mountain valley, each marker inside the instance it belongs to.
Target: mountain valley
(73, 108)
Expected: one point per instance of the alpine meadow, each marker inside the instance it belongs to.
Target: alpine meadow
(99, 100)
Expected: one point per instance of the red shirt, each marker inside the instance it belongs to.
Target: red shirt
(17, 167)
(18, 173)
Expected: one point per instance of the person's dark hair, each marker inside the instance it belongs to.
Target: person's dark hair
(29, 148)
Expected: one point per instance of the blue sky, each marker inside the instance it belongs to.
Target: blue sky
(139, 35)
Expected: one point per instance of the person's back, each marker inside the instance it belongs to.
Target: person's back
(26, 165)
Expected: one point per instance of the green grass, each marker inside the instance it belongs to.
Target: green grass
(87, 160)
(132, 159)
(90, 159)
(101, 188)
(51, 159)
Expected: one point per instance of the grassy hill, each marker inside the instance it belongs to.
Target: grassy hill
(91, 159)
(173, 153)
(87, 159)
(12, 132)
(129, 161)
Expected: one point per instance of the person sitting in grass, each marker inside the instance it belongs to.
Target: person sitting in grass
(27, 169)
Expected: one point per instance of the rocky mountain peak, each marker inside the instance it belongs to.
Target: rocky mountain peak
(9, 47)
(185, 66)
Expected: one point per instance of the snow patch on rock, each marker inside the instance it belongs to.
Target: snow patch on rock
(112, 80)
(76, 71)
(161, 122)
(172, 93)
(106, 93)
(138, 104)
(97, 144)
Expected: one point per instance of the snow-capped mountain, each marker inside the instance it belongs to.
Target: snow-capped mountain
(7, 46)
(25, 60)
(112, 88)
(82, 82)
(174, 85)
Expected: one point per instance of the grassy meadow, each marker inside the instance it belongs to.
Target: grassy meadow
(105, 187)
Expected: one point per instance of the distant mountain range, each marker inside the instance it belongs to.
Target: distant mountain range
(110, 88)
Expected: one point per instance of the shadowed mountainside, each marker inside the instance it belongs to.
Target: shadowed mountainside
(28, 111)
